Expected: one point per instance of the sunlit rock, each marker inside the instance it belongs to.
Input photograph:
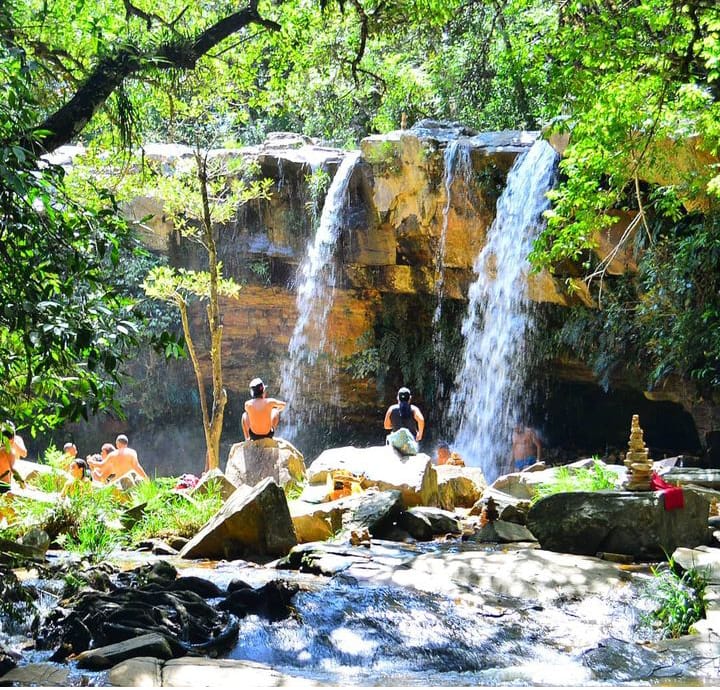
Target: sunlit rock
(250, 462)
(459, 486)
(41, 674)
(254, 521)
(384, 468)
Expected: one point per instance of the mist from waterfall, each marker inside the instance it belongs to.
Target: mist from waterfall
(309, 363)
(491, 383)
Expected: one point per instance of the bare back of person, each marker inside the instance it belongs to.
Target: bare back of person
(118, 463)
(260, 414)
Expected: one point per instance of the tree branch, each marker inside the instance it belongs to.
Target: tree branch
(108, 75)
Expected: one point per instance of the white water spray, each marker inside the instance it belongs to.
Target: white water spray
(309, 365)
(491, 381)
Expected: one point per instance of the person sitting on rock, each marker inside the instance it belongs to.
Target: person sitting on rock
(444, 456)
(262, 414)
(404, 415)
(118, 463)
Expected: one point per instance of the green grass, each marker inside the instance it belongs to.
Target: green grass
(598, 478)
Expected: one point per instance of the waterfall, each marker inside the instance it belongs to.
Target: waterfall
(457, 164)
(309, 364)
(491, 380)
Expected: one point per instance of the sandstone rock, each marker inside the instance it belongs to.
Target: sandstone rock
(254, 521)
(623, 522)
(43, 675)
(215, 476)
(146, 672)
(459, 486)
(702, 558)
(250, 462)
(509, 507)
(384, 468)
(150, 645)
(315, 521)
(139, 672)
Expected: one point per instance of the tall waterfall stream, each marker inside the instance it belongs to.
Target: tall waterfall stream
(491, 380)
(305, 364)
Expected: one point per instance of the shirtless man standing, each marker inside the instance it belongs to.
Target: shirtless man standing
(118, 463)
(526, 447)
(262, 414)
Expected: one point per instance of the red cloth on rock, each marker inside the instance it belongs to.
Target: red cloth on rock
(672, 495)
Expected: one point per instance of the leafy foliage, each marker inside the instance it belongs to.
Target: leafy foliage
(680, 598)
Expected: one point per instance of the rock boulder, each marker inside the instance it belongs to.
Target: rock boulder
(635, 523)
(459, 486)
(250, 462)
(254, 521)
(384, 468)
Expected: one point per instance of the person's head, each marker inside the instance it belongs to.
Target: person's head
(106, 448)
(257, 388)
(404, 395)
(70, 449)
(121, 441)
(443, 451)
(79, 469)
(7, 430)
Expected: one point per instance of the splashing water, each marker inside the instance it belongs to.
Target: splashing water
(491, 380)
(309, 365)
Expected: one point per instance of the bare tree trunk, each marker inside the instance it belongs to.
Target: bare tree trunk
(213, 428)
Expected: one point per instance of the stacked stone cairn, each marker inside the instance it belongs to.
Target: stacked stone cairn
(638, 464)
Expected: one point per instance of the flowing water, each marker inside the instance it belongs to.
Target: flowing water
(309, 363)
(491, 381)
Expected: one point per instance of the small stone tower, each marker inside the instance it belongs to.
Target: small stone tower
(638, 464)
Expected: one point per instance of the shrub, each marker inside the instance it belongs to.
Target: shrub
(680, 597)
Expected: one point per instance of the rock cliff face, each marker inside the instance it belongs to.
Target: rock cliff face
(408, 228)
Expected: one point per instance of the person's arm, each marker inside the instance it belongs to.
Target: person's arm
(138, 467)
(388, 423)
(420, 422)
(19, 445)
(280, 404)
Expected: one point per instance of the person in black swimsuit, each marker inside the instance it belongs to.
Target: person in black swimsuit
(405, 415)
(262, 414)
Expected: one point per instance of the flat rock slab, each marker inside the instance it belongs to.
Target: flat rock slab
(203, 673)
(42, 675)
(150, 645)
(693, 475)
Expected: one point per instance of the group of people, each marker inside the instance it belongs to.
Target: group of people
(112, 463)
(259, 420)
(262, 415)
